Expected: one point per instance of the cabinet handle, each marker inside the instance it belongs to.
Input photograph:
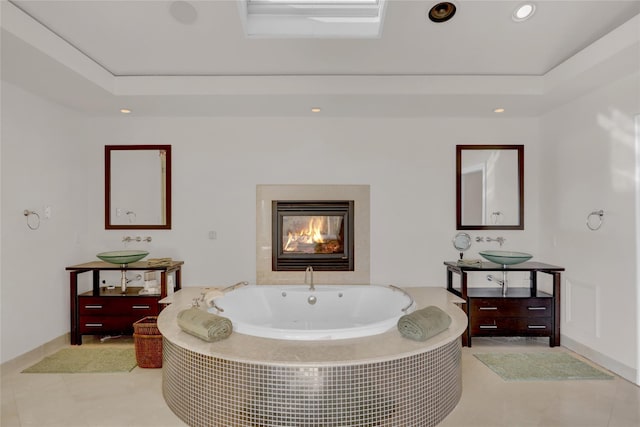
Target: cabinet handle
(536, 327)
(96, 325)
(488, 308)
(536, 308)
(488, 327)
(142, 307)
(92, 306)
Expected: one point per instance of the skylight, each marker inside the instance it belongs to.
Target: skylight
(312, 18)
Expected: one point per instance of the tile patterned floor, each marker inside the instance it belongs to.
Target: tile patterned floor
(135, 399)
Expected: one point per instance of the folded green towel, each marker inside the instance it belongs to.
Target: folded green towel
(424, 323)
(204, 325)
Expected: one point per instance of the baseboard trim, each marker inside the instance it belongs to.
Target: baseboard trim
(626, 372)
(27, 359)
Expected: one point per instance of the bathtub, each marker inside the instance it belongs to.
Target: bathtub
(328, 312)
(382, 380)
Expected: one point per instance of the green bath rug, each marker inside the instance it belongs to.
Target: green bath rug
(86, 360)
(540, 367)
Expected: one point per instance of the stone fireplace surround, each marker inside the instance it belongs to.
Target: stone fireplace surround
(265, 194)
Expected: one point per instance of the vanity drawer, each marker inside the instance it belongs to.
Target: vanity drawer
(100, 324)
(501, 326)
(114, 306)
(510, 307)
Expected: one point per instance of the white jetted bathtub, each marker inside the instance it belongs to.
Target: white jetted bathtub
(382, 380)
(328, 312)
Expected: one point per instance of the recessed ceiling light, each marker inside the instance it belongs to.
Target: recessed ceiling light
(524, 12)
(316, 109)
(442, 12)
(125, 111)
(499, 110)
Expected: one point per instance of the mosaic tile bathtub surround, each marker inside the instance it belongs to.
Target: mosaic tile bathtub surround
(413, 391)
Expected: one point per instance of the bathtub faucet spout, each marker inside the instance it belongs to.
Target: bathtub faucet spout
(310, 282)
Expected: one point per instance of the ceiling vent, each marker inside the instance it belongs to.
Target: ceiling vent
(312, 18)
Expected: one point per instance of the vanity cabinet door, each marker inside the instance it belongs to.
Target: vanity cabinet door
(101, 324)
(118, 306)
(114, 314)
(505, 326)
(510, 316)
(535, 326)
(510, 307)
(492, 325)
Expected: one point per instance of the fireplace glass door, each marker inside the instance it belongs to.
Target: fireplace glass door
(312, 233)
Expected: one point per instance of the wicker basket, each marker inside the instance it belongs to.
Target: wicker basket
(148, 343)
(146, 326)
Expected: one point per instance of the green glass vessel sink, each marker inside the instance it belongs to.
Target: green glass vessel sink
(505, 257)
(122, 257)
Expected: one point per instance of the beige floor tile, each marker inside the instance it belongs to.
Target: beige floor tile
(135, 399)
(489, 401)
(9, 411)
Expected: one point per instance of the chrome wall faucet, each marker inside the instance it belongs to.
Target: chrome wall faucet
(497, 239)
(129, 239)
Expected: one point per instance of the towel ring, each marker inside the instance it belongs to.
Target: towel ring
(600, 215)
(28, 214)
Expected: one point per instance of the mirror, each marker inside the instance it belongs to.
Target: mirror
(490, 187)
(462, 242)
(137, 187)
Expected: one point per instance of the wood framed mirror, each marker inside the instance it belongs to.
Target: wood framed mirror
(490, 187)
(137, 187)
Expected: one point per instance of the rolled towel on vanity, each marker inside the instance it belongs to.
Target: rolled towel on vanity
(470, 262)
(204, 325)
(424, 323)
(159, 262)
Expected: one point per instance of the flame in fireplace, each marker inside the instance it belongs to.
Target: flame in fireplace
(310, 234)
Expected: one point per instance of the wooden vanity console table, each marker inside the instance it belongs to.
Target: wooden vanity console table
(102, 311)
(524, 311)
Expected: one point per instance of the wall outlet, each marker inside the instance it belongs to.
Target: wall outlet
(213, 235)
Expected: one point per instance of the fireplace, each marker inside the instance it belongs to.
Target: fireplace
(316, 233)
(359, 235)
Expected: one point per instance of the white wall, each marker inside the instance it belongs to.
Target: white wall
(584, 160)
(52, 156)
(217, 163)
(43, 164)
(588, 162)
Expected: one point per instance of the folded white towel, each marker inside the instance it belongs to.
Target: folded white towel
(470, 262)
(150, 284)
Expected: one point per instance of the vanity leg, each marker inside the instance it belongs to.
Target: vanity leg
(554, 340)
(466, 336)
(163, 284)
(533, 277)
(76, 338)
(178, 279)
